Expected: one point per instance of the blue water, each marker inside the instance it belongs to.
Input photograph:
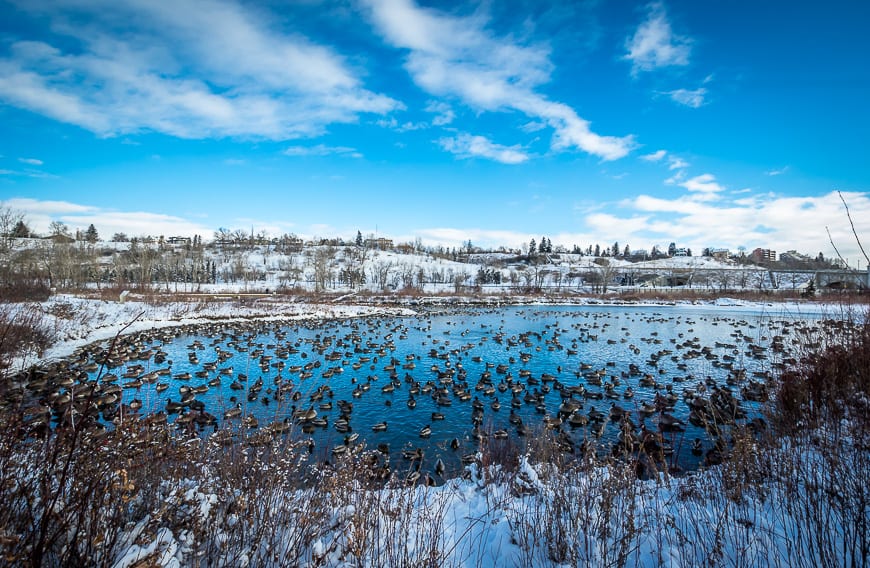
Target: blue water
(564, 342)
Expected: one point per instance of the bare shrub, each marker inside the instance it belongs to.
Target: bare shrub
(22, 331)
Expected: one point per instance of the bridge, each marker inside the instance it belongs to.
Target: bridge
(831, 279)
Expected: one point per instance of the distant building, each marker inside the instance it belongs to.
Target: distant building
(179, 240)
(720, 254)
(793, 256)
(681, 251)
(763, 255)
(292, 244)
(379, 243)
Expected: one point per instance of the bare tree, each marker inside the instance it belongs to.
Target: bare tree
(321, 262)
(9, 219)
(58, 229)
(381, 273)
(606, 272)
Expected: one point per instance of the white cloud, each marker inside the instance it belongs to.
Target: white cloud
(453, 237)
(769, 221)
(189, 68)
(458, 57)
(778, 172)
(30, 161)
(611, 227)
(445, 114)
(394, 124)
(675, 163)
(322, 150)
(678, 176)
(704, 183)
(35, 206)
(654, 44)
(39, 214)
(655, 156)
(470, 146)
(694, 99)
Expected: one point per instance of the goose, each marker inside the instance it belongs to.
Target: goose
(380, 427)
(233, 412)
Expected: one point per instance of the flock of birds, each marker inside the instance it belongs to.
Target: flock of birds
(580, 375)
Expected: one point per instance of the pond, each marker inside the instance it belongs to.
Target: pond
(437, 384)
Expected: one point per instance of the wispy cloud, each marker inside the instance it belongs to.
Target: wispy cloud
(778, 172)
(189, 68)
(444, 114)
(471, 146)
(322, 150)
(694, 99)
(454, 56)
(677, 163)
(394, 124)
(656, 156)
(30, 161)
(27, 172)
(654, 44)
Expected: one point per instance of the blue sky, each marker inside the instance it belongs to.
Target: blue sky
(716, 123)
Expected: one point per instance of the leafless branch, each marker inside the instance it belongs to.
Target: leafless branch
(840, 256)
(854, 232)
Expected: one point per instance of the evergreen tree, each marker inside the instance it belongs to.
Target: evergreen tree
(91, 234)
(615, 249)
(21, 230)
(627, 252)
(359, 239)
(533, 248)
(597, 250)
(688, 252)
(672, 249)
